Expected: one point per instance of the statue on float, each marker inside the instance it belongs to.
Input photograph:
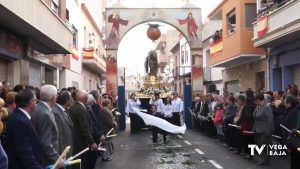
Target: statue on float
(151, 63)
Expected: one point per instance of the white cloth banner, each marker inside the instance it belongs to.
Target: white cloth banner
(160, 123)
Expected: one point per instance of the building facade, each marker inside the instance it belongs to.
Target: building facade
(29, 45)
(93, 51)
(182, 65)
(278, 32)
(245, 66)
(69, 73)
(213, 79)
(165, 57)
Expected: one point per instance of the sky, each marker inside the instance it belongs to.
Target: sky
(135, 45)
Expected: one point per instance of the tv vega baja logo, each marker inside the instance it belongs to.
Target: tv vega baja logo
(271, 150)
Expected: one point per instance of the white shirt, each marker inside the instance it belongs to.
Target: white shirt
(213, 106)
(26, 113)
(177, 105)
(159, 104)
(168, 110)
(131, 104)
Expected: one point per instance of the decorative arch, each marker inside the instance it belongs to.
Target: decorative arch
(119, 21)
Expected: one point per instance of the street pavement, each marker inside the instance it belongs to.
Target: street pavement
(192, 150)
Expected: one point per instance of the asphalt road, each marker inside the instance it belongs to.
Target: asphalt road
(189, 151)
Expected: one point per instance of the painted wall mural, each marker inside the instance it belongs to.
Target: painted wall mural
(192, 27)
(115, 21)
(120, 20)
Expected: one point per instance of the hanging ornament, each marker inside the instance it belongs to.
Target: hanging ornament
(153, 32)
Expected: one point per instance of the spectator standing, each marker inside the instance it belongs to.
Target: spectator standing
(107, 124)
(263, 127)
(22, 145)
(83, 129)
(218, 120)
(44, 122)
(64, 122)
(229, 115)
(3, 159)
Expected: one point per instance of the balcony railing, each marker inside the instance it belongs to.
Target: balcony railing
(277, 24)
(90, 55)
(181, 71)
(270, 7)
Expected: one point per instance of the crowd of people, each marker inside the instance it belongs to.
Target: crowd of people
(38, 124)
(251, 118)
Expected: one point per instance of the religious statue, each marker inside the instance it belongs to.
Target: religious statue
(151, 63)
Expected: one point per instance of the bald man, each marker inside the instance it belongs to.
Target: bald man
(83, 130)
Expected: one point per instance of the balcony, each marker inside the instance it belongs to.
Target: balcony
(212, 74)
(277, 24)
(91, 59)
(46, 32)
(181, 71)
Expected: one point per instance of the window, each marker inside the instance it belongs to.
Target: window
(182, 54)
(186, 53)
(231, 22)
(250, 14)
(67, 15)
(54, 6)
(75, 84)
(75, 36)
(260, 80)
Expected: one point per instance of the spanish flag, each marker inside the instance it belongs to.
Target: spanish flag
(88, 53)
(262, 26)
(75, 53)
(216, 49)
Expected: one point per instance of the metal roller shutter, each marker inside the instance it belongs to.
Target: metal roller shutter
(34, 75)
(297, 75)
(3, 70)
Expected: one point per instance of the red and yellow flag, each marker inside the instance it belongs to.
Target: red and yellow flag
(88, 53)
(262, 26)
(75, 53)
(216, 49)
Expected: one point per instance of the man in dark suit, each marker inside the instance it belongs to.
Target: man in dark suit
(64, 122)
(44, 122)
(22, 145)
(203, 111)
(83, 129)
